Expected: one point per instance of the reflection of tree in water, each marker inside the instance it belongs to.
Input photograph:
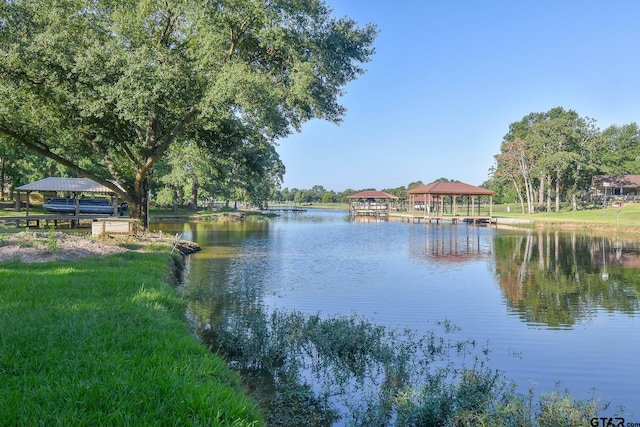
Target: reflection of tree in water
(307, 370)
(558, 279)
(232, 285)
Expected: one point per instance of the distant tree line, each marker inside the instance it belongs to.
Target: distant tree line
(318, 194)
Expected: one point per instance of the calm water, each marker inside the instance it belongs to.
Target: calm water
(551, 307)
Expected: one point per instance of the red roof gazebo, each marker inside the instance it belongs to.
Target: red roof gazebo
(370, 203)
(453, 200)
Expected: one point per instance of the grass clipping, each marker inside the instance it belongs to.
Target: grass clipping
(30, 247)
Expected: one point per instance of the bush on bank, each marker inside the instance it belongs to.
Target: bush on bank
(104, 341)
(308, 370)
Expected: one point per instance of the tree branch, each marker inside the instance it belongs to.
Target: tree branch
(41, 148)
(169, 139)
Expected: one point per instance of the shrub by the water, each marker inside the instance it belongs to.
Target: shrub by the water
(308, 370)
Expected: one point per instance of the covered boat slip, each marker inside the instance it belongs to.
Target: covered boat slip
(372, 203)
(450, 201)
(77, 187)
(440, 201)
(83, 206)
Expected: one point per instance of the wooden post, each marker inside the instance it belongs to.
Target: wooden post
(77, 202)
(28, 197)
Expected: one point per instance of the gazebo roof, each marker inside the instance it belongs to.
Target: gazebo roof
(423, 197)
(372, 194)
(451, 188)
(80, 185)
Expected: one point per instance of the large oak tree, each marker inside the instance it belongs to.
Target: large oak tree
(105, 87)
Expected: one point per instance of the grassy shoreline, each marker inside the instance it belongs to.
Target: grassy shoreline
(104, 341)
(625, 221)
(611, 219)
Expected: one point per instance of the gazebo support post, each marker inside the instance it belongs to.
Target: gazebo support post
(473, 205)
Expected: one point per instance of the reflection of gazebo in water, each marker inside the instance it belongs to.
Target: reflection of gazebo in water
(454, 201)
(371, 203)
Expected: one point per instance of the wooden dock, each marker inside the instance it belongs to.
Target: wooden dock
(284, 209)
(454, 219)
(378, 213)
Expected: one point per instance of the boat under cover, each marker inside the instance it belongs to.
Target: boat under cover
(66, 205)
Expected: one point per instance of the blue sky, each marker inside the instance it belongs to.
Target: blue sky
(448, 78)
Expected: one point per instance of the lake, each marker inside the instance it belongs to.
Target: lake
(556, 310)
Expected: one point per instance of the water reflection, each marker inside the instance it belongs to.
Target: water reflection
(216, 285)
(452, 243)
(538, 295)
(558, 280)
(548, 278)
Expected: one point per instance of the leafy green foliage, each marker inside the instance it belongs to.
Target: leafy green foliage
(551, 153)
(106, 88)
(621, 151)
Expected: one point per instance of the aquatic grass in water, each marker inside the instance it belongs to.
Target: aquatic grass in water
(304, 369)
(105, 342)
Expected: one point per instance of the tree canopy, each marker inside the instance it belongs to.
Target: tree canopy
(106, 88)
(550, 154)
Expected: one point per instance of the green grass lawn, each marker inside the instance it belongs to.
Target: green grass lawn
(627, 216)
(104, 341)
(9, 209)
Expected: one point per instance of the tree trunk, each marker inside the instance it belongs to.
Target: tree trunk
(558, 194)
(530, 195)
(144, 218)
(541, 194)
(548, 193)
(174, 200)
(140, 207)
(194, 194)
(574, 199)
(2, 180)
(519, 192)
